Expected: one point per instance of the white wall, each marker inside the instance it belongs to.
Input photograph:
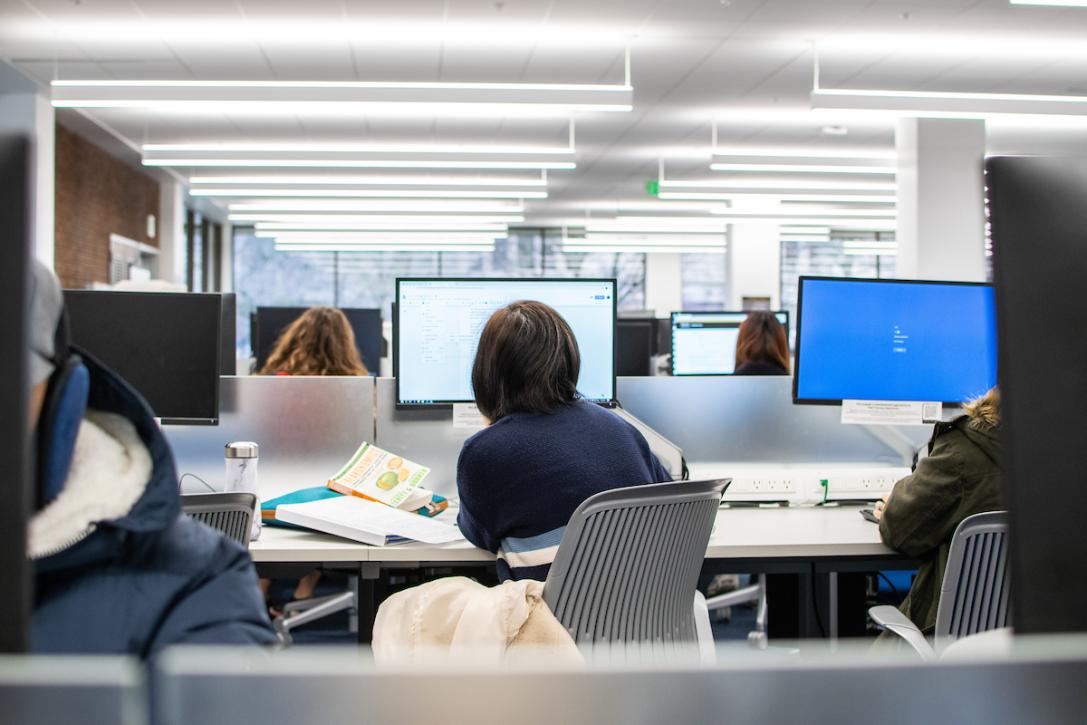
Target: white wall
(31, 114)
(663, 283)
(941, 216)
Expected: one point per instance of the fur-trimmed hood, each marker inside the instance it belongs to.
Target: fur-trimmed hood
(984, 413)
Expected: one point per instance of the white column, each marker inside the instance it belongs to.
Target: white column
(663, 283)
(172, 232)
(941, 216)
(754, 251)
(226, 259)
(30, 114)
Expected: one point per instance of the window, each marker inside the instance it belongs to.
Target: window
(705, 282)
(265, 277)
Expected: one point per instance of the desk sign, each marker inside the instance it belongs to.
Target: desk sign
(889, 412)
(466, 416)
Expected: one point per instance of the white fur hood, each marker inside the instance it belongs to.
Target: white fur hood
(110, 469)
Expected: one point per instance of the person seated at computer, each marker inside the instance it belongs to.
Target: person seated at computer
(319, 342)
(762, 348)
(545, 450)
(960, 477)
(117, 568)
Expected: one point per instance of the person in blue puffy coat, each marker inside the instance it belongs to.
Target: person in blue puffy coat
(118, 568)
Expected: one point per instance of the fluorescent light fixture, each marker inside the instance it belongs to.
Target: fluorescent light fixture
(423, 156)
(636, 248)
(1053, 3)
(807, 198)
(821, 231)
(416, 220)
(360, 97)
(315, 226)
(340, 193)
(945, 104)
(406, 247)
(823, 168)
(805, 152)
(298, 180)
(379, 207)
(792, 238)
(370, 237)
(792, 186)
(787, 213)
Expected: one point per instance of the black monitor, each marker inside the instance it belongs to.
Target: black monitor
(635, 345)
(165, 344)
(270, 322)
(228, 354)
(893, 340)
(1038, 211)
(704, 343)
(439, 321)
(16, 594)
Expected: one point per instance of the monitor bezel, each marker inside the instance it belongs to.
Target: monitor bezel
(672, 346)
(797, 358)
(448, 404)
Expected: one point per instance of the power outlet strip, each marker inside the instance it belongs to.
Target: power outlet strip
(803, 484)
(773, 486)
(861, 484)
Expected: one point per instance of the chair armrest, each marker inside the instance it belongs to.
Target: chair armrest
(898, 623)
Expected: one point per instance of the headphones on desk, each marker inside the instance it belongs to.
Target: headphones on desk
(62, 413)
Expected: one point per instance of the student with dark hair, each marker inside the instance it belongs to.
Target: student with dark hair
(762, 347)
(546, 450)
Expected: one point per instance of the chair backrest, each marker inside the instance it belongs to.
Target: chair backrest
(230, 513)
(975, 595)
(627, 566)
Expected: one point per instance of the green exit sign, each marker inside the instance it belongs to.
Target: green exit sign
(653, 187)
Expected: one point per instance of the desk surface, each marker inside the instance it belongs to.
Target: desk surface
(739, 533)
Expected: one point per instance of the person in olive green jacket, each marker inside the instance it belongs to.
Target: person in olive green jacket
(960, 477)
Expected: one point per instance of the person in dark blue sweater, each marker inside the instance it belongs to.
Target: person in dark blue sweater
(546, 450)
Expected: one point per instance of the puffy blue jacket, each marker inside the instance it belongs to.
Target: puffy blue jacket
(151, 578)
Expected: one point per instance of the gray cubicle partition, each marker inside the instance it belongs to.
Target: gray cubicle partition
(50, 690)
(753, 420)
(307, 428)
(422, 435)
(341, 688)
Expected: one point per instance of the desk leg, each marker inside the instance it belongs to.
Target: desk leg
(371, 592)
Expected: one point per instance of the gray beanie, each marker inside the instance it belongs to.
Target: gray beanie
(46, 304)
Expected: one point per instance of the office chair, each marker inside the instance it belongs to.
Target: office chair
(627, 568)
(229, 513)
(975, 593)
(754, 593)
(303, 611)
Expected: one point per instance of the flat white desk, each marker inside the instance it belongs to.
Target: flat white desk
(739, 533)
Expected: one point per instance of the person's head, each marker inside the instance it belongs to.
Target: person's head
(527, 362)
(984, 412)
(762, 339)
(320, 342)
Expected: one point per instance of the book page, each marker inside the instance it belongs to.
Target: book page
(357, 513)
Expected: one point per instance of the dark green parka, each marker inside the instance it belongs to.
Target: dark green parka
(960, 477)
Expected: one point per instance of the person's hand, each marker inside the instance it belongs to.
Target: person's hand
(877, 511)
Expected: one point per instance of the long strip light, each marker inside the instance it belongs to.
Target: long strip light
(850, 155)
(405, 226)
(361, 237)
(340, 193)
(379, 207)
(423, 156)
(414, 220)
(808, 211)
(773, 168)
(798, 186)
(805, 198)
(293, 180)
(639, 248)
(944, 104)
(275, 97)
(1053, 3)
(351, 247)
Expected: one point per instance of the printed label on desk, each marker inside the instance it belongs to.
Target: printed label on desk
(889, 412)
(466, 416)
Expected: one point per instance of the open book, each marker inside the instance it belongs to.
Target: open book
(365, 521)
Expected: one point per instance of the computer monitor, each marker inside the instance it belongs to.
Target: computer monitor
(908, 340)
(165, 344)
(704, 343)
(269, 322)
(228, 352)
(439, 322)
(636, 344)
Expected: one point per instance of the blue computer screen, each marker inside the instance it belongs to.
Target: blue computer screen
(865, 340)
(440, 321)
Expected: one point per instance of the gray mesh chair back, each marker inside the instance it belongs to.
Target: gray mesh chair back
(975, 593)
(627, 566)
(230, 513)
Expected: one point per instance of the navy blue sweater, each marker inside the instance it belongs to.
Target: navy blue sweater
(520, 480)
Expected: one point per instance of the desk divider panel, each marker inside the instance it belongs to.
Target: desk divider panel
(52, 690)
(307, 428)
(753, 420)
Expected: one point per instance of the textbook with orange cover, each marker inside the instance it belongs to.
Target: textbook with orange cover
(378, 475)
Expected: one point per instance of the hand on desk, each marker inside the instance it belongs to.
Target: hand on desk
(877, 511)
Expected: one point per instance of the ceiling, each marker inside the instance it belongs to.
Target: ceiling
(747, 63)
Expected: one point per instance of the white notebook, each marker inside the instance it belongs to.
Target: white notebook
(366, 521)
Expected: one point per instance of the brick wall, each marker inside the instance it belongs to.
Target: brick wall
(96, 195)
